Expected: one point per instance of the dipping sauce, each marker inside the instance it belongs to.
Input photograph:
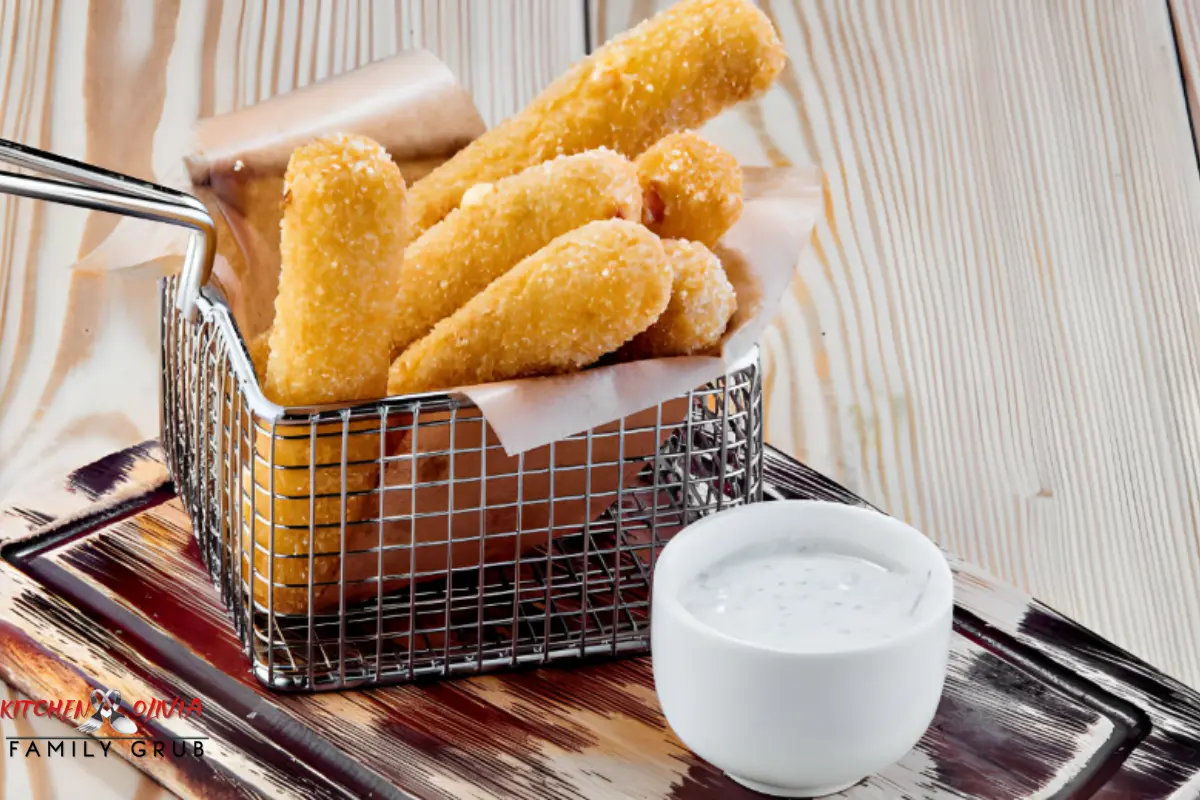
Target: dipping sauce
(805, 596)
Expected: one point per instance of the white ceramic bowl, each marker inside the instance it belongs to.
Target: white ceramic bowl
(799, 723)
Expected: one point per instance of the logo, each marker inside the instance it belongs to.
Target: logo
(108, 709)
(102, 720)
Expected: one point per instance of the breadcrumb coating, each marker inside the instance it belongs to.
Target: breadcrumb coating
(674, 71)
(702, 303)
(286, 503)
(500, 224)
(342, 245)
(341, 249)
(693, 189)
(578, 298)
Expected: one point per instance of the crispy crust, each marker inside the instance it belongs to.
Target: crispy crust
(672, 72)
(702, 303)
(500, 224)
(693, 188)
(341, 247)
(580, 297)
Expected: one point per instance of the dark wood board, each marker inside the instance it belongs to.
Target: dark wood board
(103, 587)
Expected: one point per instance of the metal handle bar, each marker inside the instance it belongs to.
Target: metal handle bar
(86, 186)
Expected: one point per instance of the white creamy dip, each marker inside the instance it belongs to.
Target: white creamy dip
(804, 596)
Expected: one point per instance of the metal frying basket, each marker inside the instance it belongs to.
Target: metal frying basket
(381, 542)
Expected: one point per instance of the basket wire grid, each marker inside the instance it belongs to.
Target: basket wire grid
(391, 541)
(388, 541)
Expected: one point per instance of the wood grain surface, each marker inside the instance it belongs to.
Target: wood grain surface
(1034, 705)
(995, 334)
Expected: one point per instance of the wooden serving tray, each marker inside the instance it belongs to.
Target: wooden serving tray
(102, 587)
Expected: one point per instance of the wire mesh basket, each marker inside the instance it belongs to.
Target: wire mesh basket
(389, 541)
(382, 542)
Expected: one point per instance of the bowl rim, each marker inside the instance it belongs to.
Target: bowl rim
(668, 602)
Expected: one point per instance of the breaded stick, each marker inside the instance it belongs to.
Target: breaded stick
(500, 224)
(579, 297)
(702, 302)
(672, 72)
(341, 248)
(693, 189)
(278, 501)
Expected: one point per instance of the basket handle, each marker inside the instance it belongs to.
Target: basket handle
(83, 185)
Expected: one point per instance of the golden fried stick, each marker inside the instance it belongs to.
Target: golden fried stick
(341, 248)
(579, 297)
(499, 224)
(702, 302)
(672, 72)
(693, 189)
(276, 498)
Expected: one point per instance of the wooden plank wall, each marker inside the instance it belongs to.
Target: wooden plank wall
(118, 83)
(996, 334)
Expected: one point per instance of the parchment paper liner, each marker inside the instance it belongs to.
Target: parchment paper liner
(415, 110)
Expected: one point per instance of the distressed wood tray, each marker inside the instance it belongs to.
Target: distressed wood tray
(101, 586)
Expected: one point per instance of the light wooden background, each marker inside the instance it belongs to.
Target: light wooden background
(995, 335)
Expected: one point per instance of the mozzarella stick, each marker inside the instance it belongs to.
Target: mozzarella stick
(693, 189)
(579, 297)
(341, 248)
(285, 502)
(702, 302)
(500, 224)
(672, 72)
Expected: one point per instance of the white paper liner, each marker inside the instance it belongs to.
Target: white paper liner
(759, 254)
